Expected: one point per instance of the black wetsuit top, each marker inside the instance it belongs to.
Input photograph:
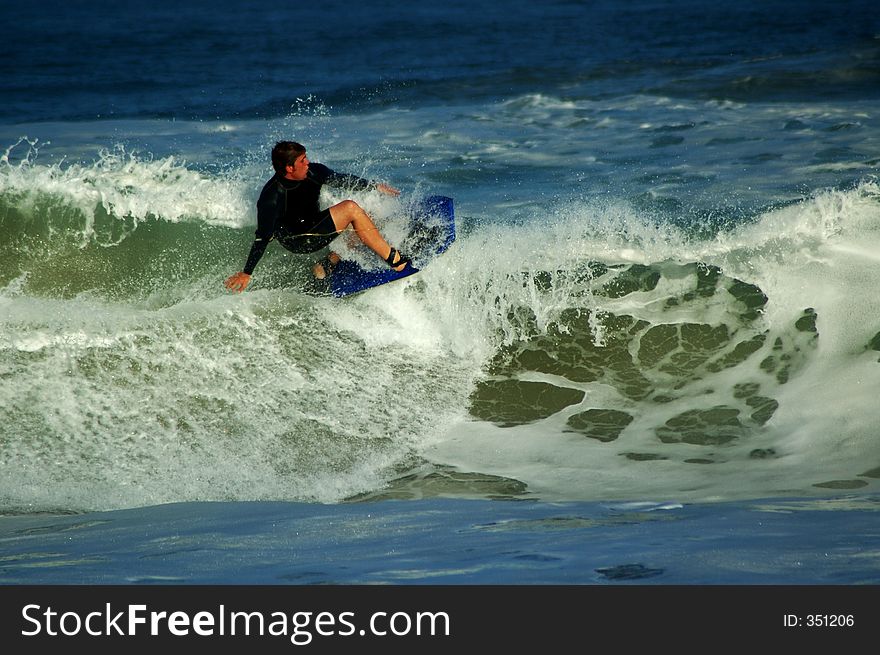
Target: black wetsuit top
(288, 209)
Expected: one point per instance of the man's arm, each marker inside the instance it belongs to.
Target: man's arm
(257, 250)
(240, 280)
(351, 182)
(268, 208)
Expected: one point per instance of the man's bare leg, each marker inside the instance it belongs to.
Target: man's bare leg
(348, 212)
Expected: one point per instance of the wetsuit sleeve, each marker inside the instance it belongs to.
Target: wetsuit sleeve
(256, 253)
(341, 180)
(269, 209)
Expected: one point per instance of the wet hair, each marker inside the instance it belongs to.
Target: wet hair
(285, 153)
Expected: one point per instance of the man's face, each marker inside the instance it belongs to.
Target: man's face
(299, 169)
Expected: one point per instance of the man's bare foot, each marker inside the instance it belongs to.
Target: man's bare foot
(324, 267)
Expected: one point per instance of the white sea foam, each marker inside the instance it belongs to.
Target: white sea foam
(823, 430)
(162, 390)
(124, 186)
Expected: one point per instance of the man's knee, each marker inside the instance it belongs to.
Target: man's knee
(349, 208)
(343, 213)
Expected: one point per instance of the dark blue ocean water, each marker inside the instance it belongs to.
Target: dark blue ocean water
(651, 355)
(222, 60)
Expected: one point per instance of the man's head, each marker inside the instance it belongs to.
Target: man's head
(288, 153)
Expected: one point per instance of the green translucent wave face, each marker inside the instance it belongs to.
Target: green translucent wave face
(58, 251)
(717, 375)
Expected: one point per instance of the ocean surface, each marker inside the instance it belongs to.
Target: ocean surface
(651, 356)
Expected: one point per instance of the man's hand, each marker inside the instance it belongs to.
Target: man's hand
(387, 189)
(238, 282)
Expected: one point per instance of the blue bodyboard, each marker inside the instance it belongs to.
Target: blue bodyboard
(431, 232)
